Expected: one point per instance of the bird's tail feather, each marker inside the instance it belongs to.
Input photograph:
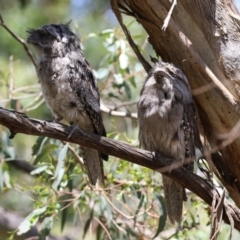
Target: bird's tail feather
(93, 164)
(174, 196)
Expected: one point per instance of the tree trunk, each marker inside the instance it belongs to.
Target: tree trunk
(202, 39)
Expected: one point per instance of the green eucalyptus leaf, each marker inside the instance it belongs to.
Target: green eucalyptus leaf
(130, 232)
(122, 44)
(59, 173)
(132, 81)
(64, 215)
(61, 156)
(111, 95)
(99, 231)
(87, 224)
(58, 179)
(11, 151)
(37, 146)
(123, 60)
(118, 78)
(7, 180)
(39, 170)
(46, 151)
(138, 208)
(127, 90)
(30, 220)
(1, 178)
(6, 147)
(47, 223)
(92, 35)
(101, 73)
(46, 227)
(106, 32)
(163, 217)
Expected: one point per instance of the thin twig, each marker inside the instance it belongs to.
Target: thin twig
(25, 96)
(35, 106)
(20, 40)
(79, 159)
(105, 109)
(125, 104)
(10, 89)
(28, 106)
(104, 228)
(22, 89)
(167, 19)
(115, 8)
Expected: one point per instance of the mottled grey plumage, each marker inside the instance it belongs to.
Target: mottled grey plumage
(166, 115)
(69, 86)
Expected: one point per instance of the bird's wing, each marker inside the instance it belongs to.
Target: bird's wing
(84, 84)
(189, 126)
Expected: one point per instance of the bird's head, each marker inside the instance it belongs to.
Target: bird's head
(162, 75)
(53, 39)
(169, 78)
(166, 72)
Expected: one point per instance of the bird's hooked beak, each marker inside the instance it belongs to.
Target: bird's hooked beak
(32, 38)
(161, 74)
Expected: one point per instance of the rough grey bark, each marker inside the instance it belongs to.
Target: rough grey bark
(202, 40)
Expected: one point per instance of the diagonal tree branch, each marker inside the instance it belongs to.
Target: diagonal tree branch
(20, 123)
(115, 8)
(20, 40)
(114, 113)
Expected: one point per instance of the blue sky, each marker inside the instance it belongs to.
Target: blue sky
(80, 3)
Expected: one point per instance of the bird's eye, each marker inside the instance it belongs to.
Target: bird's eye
(159, 76)
(171, 72)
